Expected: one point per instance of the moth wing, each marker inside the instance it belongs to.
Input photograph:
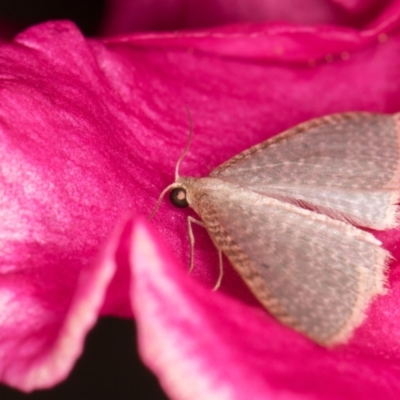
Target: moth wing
(346, 166)
(315, 274)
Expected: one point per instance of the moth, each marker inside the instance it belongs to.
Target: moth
(290, 214)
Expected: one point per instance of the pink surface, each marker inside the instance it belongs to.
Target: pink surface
(207, 346)
(124, 16)
(90, 134)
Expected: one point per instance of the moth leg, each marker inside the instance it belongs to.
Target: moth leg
(221, 271)
(191, 240)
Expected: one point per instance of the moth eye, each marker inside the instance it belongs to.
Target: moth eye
(178, 197)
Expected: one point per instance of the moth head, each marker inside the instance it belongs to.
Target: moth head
(179, 194)
(178, 197)
(180, 191)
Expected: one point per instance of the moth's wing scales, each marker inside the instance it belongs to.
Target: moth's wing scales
(346, 166)
(314, 273)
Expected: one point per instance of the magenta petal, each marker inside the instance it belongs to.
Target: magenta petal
(204, 345)
(65, 183)
(280, 41)
(124, 16)
(92, 130)
(41, 341)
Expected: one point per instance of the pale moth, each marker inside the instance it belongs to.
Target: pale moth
(288, 213)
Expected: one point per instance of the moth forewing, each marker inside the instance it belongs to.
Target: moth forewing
(346, 166)
(295, 261)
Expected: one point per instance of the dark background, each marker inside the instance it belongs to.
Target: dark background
(110, 367)
(86, 14)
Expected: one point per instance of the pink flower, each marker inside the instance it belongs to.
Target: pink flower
(91, 131)
(124, 16)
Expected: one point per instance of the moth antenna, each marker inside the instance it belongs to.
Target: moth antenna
(178, 164)
(157, 206)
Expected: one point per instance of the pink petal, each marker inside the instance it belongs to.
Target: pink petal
(206, 345)
(124, 16)
(279, 41)
(65, 183)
